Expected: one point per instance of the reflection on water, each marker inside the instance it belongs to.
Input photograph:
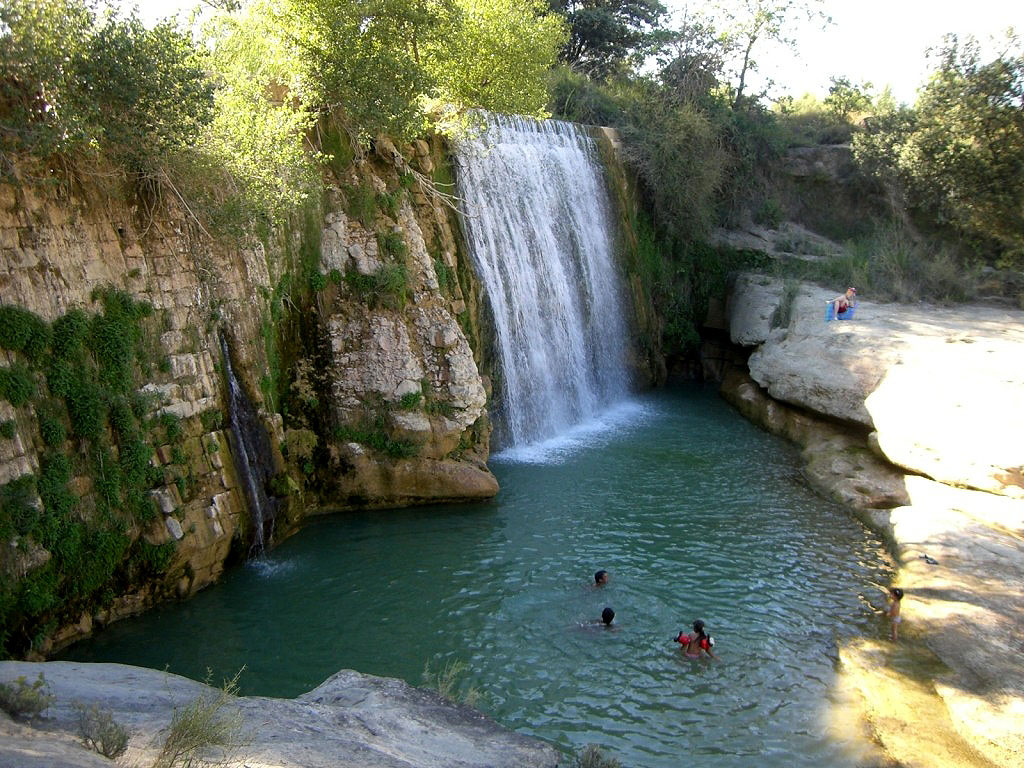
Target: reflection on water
(694, 512)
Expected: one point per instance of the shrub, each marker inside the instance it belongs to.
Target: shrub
(390, 202)
(317, 282)
(592, 757)
(445, 278)
(17, 385)
(446, 682)
(72, 80)
(8, 428)
(100, 732)
(770, 214)
(361, 204)
(207, 721)
(410, 401)
(392, 245)
(211, 419)
(379, 440)
(171, 424)
(300, 443)
(19, 507)
(24, 699)
(386, 287)
(23, 331)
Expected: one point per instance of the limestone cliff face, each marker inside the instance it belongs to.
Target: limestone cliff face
(364, 382)
(404, 367)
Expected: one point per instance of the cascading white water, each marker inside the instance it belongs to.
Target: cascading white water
(252, 452)
(539, 228)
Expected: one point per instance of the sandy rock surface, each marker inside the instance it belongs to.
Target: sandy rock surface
(938, 393)
(942, 387)
(350, 721)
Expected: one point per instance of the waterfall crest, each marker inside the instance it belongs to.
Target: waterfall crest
(539, 227)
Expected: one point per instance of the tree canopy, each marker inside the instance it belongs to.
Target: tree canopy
(959, 153)
(71, 79)
(605, 34)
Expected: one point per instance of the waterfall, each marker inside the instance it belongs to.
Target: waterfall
(539, 227)
(252, 456)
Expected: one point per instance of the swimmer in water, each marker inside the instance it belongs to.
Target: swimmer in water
(600, 578)
(698, 643)
(605, 622)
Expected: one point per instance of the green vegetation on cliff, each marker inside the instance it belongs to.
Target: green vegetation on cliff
(77, 524)
(227, 119)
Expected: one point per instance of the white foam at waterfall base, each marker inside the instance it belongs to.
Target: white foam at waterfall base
(268, 567)
(540, 231)
(592, 433)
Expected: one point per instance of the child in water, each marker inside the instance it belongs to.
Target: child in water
(698, 643)
(605, 622)
(895, 596)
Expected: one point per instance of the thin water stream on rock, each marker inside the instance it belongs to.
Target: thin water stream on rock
(695, 513)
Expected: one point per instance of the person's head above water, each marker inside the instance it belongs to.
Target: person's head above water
(698, 627)
(601, 578)
(607, 615)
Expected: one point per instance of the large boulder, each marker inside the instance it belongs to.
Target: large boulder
(350, 721)
(940, 387)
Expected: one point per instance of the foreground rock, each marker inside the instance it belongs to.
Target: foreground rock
(937, 392)
(350, 721)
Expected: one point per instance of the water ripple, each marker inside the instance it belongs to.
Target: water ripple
(672, 505)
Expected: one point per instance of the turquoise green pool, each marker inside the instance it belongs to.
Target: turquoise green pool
(694, 512)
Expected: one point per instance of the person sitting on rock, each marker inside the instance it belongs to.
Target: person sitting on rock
(844, 301)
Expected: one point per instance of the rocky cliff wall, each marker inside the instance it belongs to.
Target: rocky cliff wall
(119, 476)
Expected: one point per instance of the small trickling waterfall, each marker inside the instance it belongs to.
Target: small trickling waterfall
(540, 231)
(252, 456)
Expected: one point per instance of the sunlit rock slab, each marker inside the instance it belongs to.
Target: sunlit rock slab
(350, 721)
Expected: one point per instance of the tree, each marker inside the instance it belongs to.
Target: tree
(845, 98)
(495, 55)
(959, 153)
(71, 81)
(606, 33)
(750, 22)
(695, 61)
(263, 112)
(360, 56)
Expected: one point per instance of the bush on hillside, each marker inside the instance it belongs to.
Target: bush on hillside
(959, 153)
(71, 82)
(24, 699)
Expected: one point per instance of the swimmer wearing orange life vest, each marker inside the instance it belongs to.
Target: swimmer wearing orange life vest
(696, 644)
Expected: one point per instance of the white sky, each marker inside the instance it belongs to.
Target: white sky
(881, 41)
